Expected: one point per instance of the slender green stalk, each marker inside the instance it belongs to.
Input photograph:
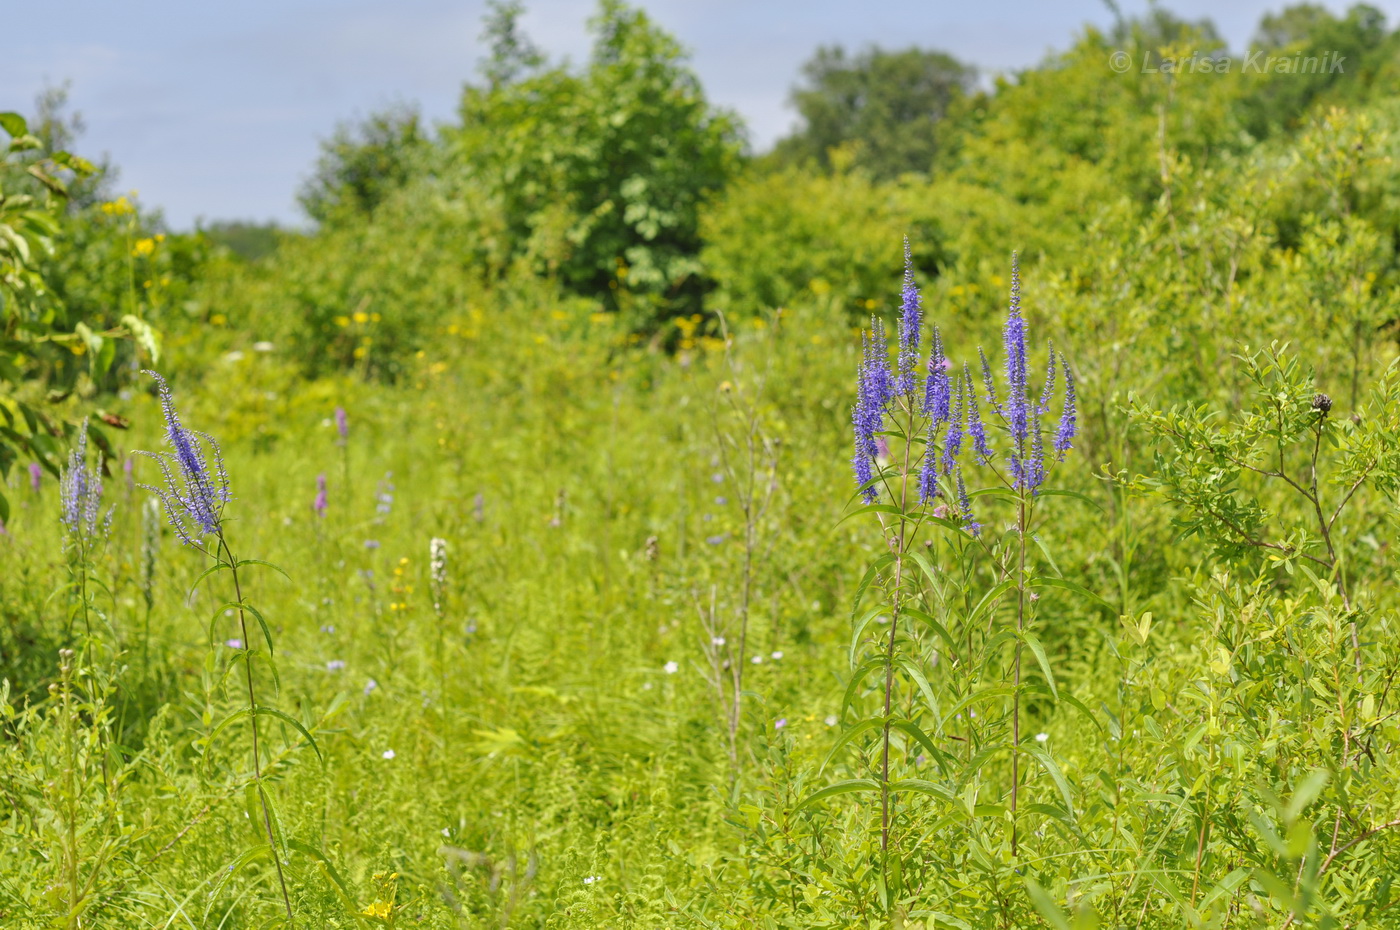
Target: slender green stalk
(1016, 689)
(253, 718)
(897, 602)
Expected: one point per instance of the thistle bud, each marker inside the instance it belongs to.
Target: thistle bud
(1322, 404)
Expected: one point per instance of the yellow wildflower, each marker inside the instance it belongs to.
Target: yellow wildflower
(379, 909)
(144, 248)
(119, 207)
(361, 316)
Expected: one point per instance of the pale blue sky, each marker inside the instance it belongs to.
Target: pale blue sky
(215, 110)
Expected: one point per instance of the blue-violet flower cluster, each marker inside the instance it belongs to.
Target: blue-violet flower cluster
(950, 409)
(193, 494)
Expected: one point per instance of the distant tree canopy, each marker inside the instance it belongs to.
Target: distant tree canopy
(888, 104)
(362, 163)
(600, 173)
(1356, 48)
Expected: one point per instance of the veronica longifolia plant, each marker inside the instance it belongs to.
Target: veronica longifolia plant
(922, 432)
(84, 529)
(193, 494)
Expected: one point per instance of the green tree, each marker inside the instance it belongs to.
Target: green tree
(1337, 56)
(889, 103)
(600, 175)
(362, 163)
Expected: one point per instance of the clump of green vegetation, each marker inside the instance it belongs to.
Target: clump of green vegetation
(584, 622)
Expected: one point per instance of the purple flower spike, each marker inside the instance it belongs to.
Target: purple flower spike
(35, 473)
(988, 382)
(342, 423)
(952, 442)
(80, 492)
(193, 494)
(1014, 337)
(969, 523)
(1049, 388)
(910, 322)
(1069, 417)
(975, 428)
(319, 505)
(875, 389)
(938, 391)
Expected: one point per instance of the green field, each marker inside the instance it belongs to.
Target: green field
(544, 583)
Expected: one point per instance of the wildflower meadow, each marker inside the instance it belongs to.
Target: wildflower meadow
(592, 522)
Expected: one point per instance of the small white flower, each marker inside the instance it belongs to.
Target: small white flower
(592, 878)
(717, 641)
(671, 668)
(757, 660)
(646, 686)
(777, 655)
(1041, 737)
(388, 753)
(371, 685)
(234, 356)
(335, 665)
(234, 644)
(263, 346)
(446, 831)
(831, 720)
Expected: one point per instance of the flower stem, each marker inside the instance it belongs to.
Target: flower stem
(253, 718)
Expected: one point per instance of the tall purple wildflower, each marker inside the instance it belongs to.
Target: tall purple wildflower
(928, 471)
(969, 522)
(193, 494)
(35, 473)
(975, 428)
(342, 423)
(1049, 388)
(1033, 471)
(875, 388)
(1014, 337)
(952, 441)
(910, 323)
(988, 382)
(320, 503)
(1068, 416)
(80, 492)
(938, 390)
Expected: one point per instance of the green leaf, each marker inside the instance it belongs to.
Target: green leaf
(984, 694)
(989, 599)
(866, 667)
(912, 729)
(1033, 642)
(248, 857)
(871, 508)
(264, 711)
(913, 671)
(870, 723)
(1043, 581)
(841, 787)
(1046, 905)
(328, 869)
(13, 124)
(219, 566)
(145, 336)
(243, 562)
(933, 624)
(1061, 492)
(870, 574)
(1052, 769)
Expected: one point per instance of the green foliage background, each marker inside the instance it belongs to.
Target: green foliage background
(547, 322)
